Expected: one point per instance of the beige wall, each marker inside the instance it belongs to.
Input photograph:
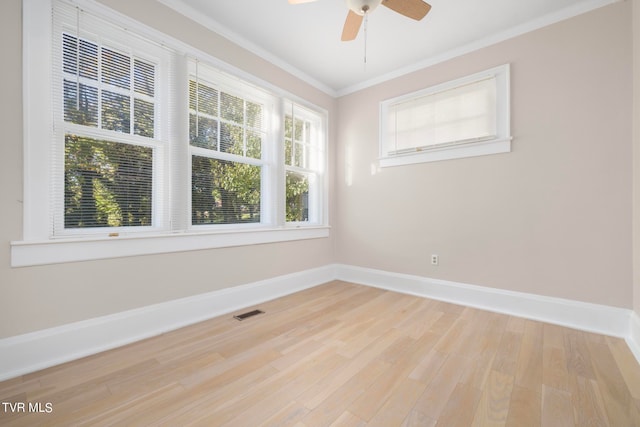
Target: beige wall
(636, 155)
(553, 217)
(35, 298)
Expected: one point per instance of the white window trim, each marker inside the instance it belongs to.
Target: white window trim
(25, 254)
(268, 162)
(147, 51)
(499, 144)
(36, 109)
(316, 189)
(36, 246)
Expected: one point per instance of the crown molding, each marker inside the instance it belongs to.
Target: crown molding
(184, 9)
(567, 13)
(518, 30)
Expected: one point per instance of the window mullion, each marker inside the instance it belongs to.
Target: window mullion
(179, 162)
(278, 177)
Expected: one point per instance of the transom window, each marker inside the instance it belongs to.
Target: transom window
(462, 118)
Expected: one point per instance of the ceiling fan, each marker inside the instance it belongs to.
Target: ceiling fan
(358, 9)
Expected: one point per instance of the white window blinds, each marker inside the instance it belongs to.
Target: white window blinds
(460, 114)
(227, 137)
(466, 117)
(107, 166)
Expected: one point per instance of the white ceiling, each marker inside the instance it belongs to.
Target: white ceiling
(304, 39)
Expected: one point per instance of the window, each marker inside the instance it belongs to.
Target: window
(463, 118)
(229, 149)
(107, 144)
(139, 144)
(303, 164)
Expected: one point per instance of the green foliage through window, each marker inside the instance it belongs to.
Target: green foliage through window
(106, 184)
(299, 149)
(224, 192)
(297, 197)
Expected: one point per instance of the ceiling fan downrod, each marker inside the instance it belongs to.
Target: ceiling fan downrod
(361, 7)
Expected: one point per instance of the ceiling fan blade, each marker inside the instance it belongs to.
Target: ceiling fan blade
(300, 1)
(351, 26)
(414, 9)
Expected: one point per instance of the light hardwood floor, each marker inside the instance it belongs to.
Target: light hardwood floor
(345, 355)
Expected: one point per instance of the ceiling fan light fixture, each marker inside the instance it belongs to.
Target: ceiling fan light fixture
(362, 6)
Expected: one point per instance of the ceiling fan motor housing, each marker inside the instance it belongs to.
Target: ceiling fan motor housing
(362, 6)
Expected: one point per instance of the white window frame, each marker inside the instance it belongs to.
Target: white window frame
(268, 162)
(139, 49)
(316, 166)
(498, 143)
(37, 246)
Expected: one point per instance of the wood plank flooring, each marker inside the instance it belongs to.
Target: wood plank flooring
(344, 355)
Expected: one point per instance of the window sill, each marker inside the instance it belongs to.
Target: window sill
(435, 154)
(30, 253)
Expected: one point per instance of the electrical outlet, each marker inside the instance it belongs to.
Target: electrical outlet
(434, 259)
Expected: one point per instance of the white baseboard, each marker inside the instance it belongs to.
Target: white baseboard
(597, 318)
(42, 349)
(633, 339)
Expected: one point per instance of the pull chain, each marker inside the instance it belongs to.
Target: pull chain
(78, 58)
(366, 20)
(197, 135)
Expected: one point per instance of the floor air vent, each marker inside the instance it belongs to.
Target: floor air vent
(248, 314)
